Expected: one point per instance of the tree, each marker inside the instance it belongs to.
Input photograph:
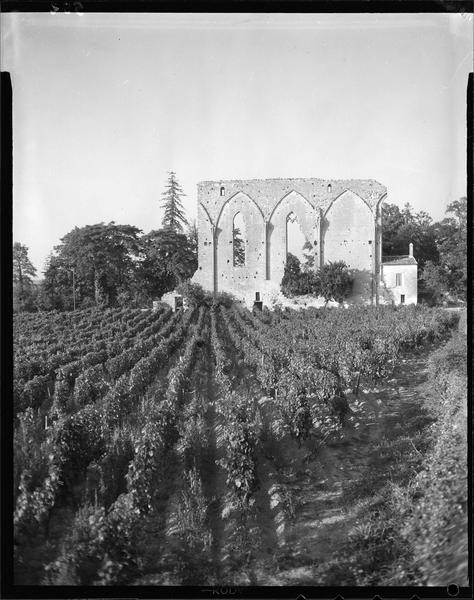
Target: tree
(297, 282)
(104, 259)
(23, 272)
(168, 260)
(193, 237)
(448, 275)
(400, 227)
(335, 281)
(392, 221)
(439, 248)
(55, 290)
(238, 248)
(173, 218)
(434, 283)
(290, 283)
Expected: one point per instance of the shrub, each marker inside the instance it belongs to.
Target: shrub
(194, 294)
(335, 281)
(90, 385)
(241, 433)
(332, 281)
(223, 299)
(296, 282)
(100, 548)
(80, 440)
(438, 522)
(290, 284)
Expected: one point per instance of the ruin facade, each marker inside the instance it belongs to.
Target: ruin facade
(339, 219)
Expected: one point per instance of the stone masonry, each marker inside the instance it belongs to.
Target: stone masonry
(341, 219)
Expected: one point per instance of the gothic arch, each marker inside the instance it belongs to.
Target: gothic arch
(349, 233)
(238, 196)
(382, 198)
(239, 235)
(342, 194)
(286, 197)
(207, 213)
(305, 214)
(228, 275)
(295, 238)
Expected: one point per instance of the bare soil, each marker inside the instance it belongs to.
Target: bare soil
(301, 540)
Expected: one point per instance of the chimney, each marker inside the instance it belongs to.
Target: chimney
(410, 249)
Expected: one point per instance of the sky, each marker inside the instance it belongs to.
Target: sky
(104, 105)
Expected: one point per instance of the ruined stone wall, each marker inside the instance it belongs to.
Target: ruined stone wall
(205, 271)
(340, 219)
(240, 279)
(349, 234)
(308, 219)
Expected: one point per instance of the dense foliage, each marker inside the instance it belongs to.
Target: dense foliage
(331, 282)
(448, 275)
(168, 260)
(436, 523)
(440, 248)
(23, 273)
(402, 226)
(111, 265)
(141, 437)
(116, 265)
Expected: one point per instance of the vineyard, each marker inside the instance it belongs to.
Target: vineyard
(161, 448)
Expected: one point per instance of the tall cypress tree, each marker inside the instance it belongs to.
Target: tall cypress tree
(173, 218)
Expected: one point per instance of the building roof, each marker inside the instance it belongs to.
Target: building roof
(404, 259)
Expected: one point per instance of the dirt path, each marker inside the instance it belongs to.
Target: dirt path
(324, 514)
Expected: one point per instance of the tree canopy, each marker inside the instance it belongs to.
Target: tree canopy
(101, 259)
(448, 275)
(335, 281)
(23, 273)
(111, 264)
(440, 248)
(108, 264)
(168, 260)
(400, 227)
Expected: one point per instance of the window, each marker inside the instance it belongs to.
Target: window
(398, 279)
(238, 240)
(222, 190)
(329, 188)
(257, 296)
(295, 238)
(402, 298)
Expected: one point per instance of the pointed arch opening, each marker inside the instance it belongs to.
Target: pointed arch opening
(296, 242)
(238, 240)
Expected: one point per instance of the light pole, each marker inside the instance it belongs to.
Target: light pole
(73, 288)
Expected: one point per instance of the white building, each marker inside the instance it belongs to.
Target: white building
(399, 277)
